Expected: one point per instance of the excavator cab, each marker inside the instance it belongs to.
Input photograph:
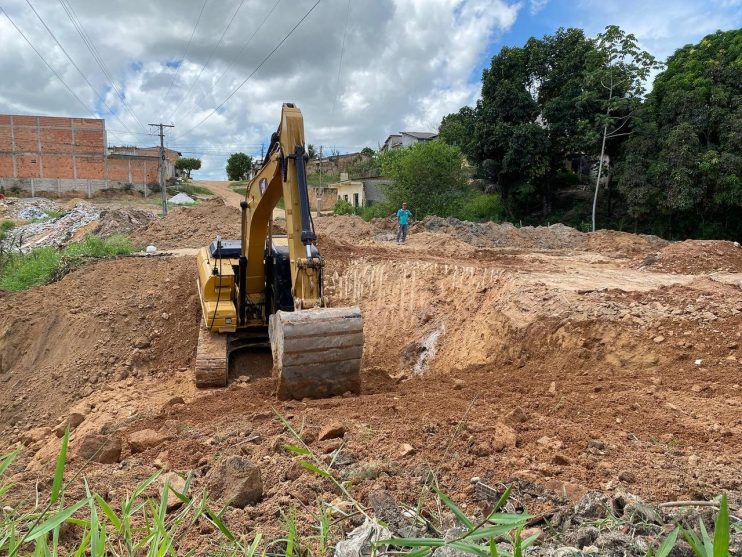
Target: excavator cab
(265, 290)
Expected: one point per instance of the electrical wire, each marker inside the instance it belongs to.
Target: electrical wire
(72, 15)
(59, 77)
(185, 52)
(92, 88)
(247, 43)
(340, 63)
(271, 53)
(211, 55)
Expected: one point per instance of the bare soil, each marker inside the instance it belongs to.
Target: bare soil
(557, 357)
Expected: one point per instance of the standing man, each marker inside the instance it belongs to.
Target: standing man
(403, 218)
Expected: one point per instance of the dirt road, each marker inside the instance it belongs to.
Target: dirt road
(231, 197)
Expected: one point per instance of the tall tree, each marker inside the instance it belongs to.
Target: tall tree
(620, 70)
(238, 166)
(685, 157)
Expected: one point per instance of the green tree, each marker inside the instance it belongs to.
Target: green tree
(687, 143)
(238, 166)
(428, 176)
(368, 152)
(311, 151)
(188, 164)
(458, 129)
(620, 70)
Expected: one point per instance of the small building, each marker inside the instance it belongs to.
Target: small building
(351, 191)
(407, 139)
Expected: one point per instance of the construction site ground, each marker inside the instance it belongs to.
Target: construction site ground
(605, 361)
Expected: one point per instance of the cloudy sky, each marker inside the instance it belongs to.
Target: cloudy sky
(358, 69)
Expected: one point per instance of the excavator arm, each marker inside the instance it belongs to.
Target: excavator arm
(316, 351)
(283, 174)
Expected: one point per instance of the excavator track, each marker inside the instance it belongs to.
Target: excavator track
(317, 353)
(211, 358)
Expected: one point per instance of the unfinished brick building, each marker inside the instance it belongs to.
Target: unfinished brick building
(70, 155)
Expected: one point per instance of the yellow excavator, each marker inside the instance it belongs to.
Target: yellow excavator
(265, 290)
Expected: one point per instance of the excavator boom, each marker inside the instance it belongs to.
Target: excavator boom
(266, 289)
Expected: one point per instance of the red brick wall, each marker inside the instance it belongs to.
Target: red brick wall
(52, 147)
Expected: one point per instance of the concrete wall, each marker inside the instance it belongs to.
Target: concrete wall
(59, 186)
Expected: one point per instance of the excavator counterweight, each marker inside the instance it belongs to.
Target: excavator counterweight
(265, 290)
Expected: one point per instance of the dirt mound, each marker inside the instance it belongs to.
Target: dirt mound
(122, 221)
(111, 320)
(623, 243)
(191, 227)
(695, 257)
(345, 228)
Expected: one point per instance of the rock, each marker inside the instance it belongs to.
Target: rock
(175, 482)
(145, 439)
(699, 362)
(596, 444)
(237, 481)
(35, 435)
(458, 384)
(182, 199)
(583, 536)
(334, 430)
(659, 339)
(173, 401)
(593, 505)
(627, 476)
(550, 442)
(150, 249)
(142, 342)
(637, 512)
(406, 450)
(73, 420)
(618, 543)
(105, 449)
(517, 416)
(552, 388)
(561, 460)
(165, 315)
(567, 552)
(504, 437)
(693, 460)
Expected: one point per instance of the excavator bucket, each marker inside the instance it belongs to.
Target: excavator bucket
(317, 353)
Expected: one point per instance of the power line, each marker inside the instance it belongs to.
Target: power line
(59, 77)
(340, 63)
(210, 114)
(92, 88)
(247, 43)
(211, 55)
(185, 52)
(70, 11)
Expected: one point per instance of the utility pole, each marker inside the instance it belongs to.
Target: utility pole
(163, 189)
(320, 190)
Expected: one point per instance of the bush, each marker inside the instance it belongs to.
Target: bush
(4, 227)
(480, 206)
(376, 210)
(342, 207)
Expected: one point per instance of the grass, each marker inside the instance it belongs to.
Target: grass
(4, 227)
(42, 265)
(192, 189)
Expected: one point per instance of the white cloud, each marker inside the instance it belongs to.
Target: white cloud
(406, 64)
(535, 6)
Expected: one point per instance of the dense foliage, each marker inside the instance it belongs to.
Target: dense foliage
(238, 166)
(429, 176)
(672, 159)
